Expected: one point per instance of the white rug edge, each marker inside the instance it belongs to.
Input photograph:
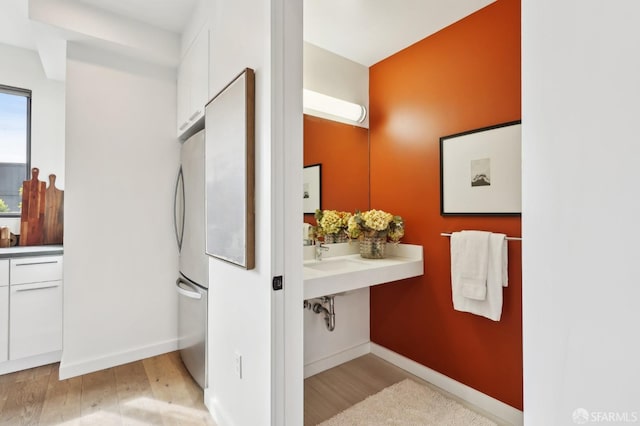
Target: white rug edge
(345, 417)
(490, 407)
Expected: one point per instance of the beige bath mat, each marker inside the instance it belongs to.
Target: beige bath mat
(408, 404)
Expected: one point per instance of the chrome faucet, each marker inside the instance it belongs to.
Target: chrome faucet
(319, 249)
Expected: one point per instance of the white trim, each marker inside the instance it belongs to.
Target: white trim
(30, 362)
(68, 370)
(287, 325)
(220, 416)
(505, 412)
(334, 360)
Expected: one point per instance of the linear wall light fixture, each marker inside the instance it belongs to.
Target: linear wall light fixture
(333, 106)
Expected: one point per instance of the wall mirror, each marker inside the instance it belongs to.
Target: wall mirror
(343, 151)
(333, 136)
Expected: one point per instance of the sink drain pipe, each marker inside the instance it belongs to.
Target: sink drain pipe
(329, 311)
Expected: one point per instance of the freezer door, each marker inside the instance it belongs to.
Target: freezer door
(192, 329)
(194, 262)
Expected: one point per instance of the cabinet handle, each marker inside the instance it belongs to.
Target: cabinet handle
(194, 115)
(44, 287)
(37, 263)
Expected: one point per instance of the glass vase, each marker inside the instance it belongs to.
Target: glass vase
(373, 247)
(335, 238)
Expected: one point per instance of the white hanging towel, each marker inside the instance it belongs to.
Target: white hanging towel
(469, 263)
(477, 287)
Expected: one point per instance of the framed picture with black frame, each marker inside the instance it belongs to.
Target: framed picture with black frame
(481, 171)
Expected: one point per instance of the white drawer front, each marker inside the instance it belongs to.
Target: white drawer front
(4, 272)
(35, 325)
(4, 323)
(35, 269)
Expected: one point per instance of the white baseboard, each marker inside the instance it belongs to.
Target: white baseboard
(334, 360)
(30, 362)
(78, 368)
(492, 406)
(220, 417)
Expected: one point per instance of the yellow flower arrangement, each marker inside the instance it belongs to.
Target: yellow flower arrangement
(376, 223)
(331, 222)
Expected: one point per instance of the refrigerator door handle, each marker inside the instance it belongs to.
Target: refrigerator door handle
(179, 190)
(195, 294)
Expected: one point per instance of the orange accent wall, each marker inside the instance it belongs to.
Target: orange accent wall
(343, 151)
(465, 77)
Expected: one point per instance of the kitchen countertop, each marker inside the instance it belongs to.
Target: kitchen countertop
(26, 251)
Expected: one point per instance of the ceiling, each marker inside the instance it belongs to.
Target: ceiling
(170, 15)
(15, 28)
(365, 31)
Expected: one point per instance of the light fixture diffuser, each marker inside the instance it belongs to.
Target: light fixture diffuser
(333, 106)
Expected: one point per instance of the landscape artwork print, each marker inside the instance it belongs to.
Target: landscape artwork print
(481, 172)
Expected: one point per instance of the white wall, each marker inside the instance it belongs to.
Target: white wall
(22, 68)
(580, 211)
(323, 348)
(240, 300)
(245, 315)
(120, 254)
(333, 75)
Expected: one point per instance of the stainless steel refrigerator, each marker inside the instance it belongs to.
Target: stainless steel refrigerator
(193, 280)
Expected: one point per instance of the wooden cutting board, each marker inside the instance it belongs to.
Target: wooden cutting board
(5, 238)
(32, 216)
(53, 213)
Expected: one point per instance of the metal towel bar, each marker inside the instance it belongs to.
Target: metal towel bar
(508, 238)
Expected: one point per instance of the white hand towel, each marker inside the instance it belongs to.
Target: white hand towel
(469, 263)
(498, 243)
(491, 306)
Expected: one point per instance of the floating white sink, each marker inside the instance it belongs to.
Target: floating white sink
(333, 264)
(342, 269)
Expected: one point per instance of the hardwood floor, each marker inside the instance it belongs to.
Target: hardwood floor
(159, 391)
(154, 391)
(332, 391)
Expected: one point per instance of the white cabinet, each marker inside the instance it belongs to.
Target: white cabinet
(35, 300)
(30, 311)
(193, 83)
(4, 323)
(27, 270)
(183, 98)
(4, 272)
(4, 310)
(35, 319)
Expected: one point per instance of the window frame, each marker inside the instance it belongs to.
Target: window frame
(17, 91)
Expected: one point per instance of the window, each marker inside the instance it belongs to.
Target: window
(15, 147)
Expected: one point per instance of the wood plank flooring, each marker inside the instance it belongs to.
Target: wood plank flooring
(159, 391)
(333, 391)
(154, 391)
